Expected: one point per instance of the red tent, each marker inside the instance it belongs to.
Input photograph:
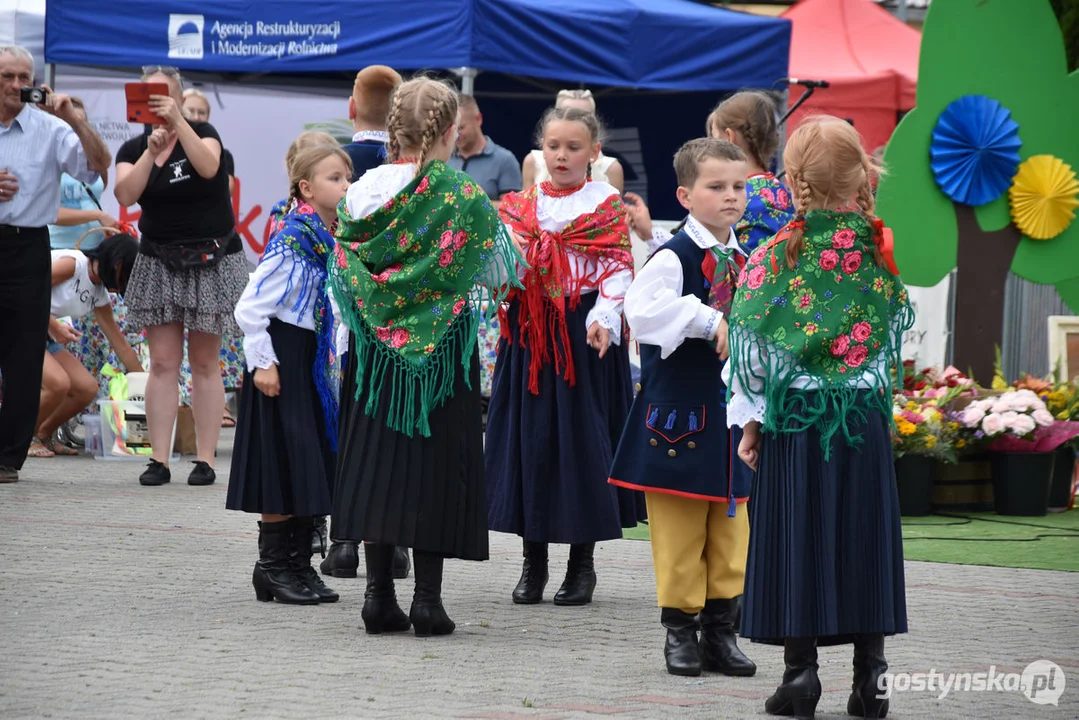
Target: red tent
(869, 57)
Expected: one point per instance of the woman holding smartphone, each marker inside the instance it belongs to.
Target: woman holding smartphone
(190, 271)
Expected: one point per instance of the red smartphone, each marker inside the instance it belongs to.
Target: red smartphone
(138, 102)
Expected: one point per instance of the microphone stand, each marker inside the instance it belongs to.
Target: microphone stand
(806, 94)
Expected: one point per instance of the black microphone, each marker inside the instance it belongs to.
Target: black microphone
(807, 83)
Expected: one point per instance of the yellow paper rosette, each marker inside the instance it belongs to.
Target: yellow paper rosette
(1043, 197)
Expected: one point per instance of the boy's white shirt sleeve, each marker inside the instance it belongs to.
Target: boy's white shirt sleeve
(257, 306)
(657, 311)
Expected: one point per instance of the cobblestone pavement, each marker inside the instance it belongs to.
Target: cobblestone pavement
(118, 601)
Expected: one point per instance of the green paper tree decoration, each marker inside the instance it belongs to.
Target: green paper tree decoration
(1011, 51)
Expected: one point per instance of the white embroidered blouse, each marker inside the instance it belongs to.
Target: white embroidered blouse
(553, 214)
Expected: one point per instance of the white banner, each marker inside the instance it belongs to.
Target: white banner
(927, 342)
(256, 124)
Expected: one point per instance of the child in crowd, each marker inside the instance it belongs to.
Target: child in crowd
(816, 327)
(562, 385)
(283, 454)
(747, 119)
(676, 445)
(81, 283)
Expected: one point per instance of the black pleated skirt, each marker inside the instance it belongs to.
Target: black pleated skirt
(282, 462)
(425, 493)
(549, 455)
(826, 546)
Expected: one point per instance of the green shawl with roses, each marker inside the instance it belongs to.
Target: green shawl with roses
(404, 280)
(824, 324)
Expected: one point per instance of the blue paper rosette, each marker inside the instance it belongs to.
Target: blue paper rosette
(975, 150)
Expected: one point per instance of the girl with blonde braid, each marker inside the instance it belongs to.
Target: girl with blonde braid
(282, 457)
(815, 327)
(414, 238)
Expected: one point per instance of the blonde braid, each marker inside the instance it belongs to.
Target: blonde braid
(393, 125)
(868, 205)
(430, 130)
(797, 239)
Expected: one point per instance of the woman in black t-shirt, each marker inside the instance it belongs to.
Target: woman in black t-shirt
(189, 274)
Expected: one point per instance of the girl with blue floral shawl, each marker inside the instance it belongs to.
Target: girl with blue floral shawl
(283, 458)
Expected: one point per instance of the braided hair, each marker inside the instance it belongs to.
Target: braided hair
(828, 168)
(752, 114)
(420, 111)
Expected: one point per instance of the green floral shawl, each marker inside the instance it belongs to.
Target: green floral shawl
(829, 321)
(404, 276)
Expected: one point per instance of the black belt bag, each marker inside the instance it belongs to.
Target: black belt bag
(193, 255)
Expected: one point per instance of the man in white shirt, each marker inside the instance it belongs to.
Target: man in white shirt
(37, 145)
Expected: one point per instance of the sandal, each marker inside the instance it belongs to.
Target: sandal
(58, 448)
(39, 450)
(227, 421)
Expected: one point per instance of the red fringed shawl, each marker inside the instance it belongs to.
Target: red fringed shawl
(550, 282)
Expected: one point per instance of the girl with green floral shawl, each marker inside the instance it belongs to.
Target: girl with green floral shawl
(419, 247)
(815, 327)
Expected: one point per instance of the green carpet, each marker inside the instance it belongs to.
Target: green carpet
(1039, 543)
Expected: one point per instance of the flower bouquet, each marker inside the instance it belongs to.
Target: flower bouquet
(923, 428)
(1021, 435)
(942, 386)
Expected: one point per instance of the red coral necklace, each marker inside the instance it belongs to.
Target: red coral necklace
(550, 190)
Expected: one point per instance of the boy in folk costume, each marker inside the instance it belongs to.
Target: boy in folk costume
(676, 445)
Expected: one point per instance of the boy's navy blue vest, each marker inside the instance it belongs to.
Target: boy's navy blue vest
(676, 438)
(366, 155)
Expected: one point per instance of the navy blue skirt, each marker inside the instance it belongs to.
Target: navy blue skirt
(826, 545)
(282, 462)
(548, 456)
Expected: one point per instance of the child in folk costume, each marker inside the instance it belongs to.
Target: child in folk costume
(414, 238)
(283, 455)
(562, 385)
(817, 324)
(676, 445)
(747, 119)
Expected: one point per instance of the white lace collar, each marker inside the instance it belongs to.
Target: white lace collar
(704, 238)
(377, 135)
(554, 213)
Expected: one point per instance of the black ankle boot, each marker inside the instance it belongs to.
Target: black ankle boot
(381, 613)
(719, 649)
(427, 614)
(401, 563)
(273, 577)
(801, 689)
(580, 577)
(680, 650)
(300, 559)
(529, 590)
(342, 560)
(869, 665)
(320, 536)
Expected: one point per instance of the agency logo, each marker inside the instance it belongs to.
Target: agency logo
(185, 36)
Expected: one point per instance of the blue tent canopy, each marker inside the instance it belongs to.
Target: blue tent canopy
(677, 45)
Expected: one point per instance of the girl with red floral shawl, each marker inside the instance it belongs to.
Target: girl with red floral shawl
(561, 388)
